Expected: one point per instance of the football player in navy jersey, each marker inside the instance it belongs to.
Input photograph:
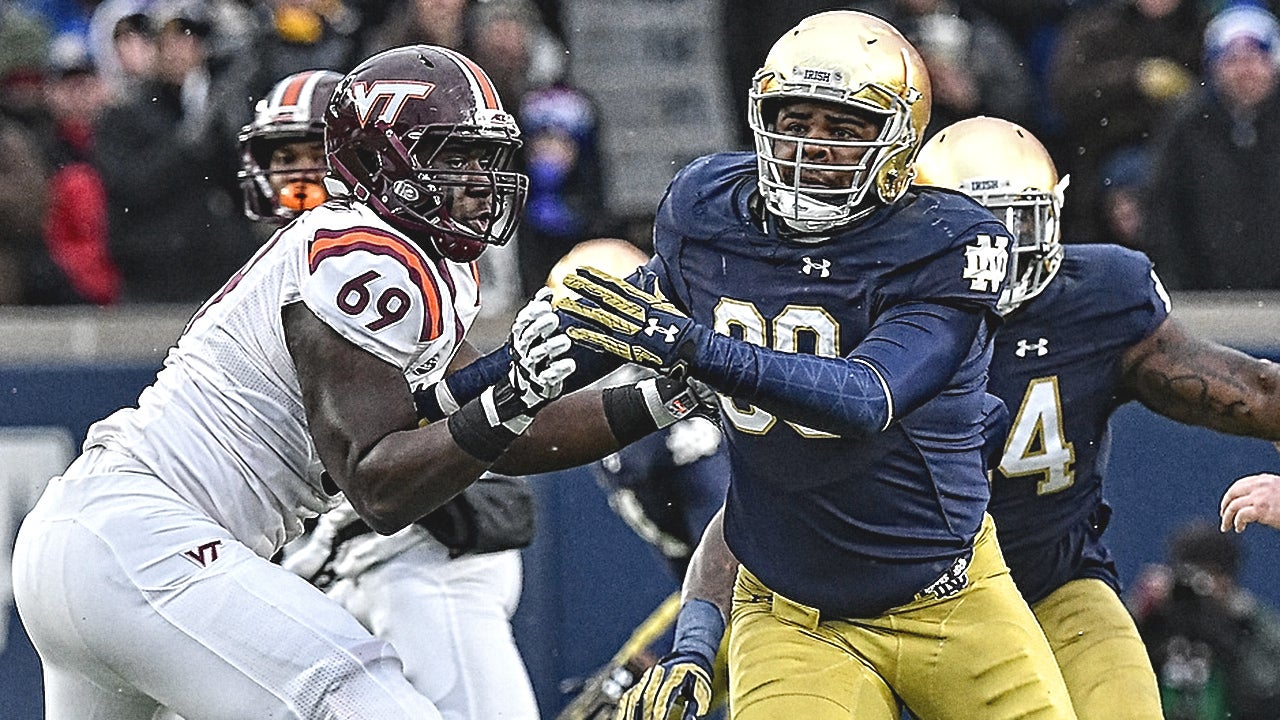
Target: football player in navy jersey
(1086, 329)
(847, 321)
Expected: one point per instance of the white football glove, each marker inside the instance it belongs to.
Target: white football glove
(538, 370)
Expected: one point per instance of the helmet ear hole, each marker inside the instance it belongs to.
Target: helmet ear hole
(769, 110)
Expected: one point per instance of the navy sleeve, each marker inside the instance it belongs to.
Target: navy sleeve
(908, 358)
(468, 382)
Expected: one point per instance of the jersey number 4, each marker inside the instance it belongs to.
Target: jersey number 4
(1037, 444)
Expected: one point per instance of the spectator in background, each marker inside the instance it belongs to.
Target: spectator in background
(1215, 646)
(560, 124)
(122, 43)
(75, 226)
(297, 35)
(27, 275)
(168, 160)
(1123, 198)
(566, 187)
(1214, 210)
(974, 66)
(435, 22)
(1034, 26)
(133, 42)
(1118, 69)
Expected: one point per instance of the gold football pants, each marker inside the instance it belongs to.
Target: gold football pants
(1103, 660)
(977, 654)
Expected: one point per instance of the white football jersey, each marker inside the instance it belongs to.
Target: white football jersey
(223, 423)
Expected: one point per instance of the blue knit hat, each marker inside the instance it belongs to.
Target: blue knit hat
(1242, 22)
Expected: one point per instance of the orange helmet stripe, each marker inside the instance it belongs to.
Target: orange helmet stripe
(479, 79)
(379, 242)
(294, 89)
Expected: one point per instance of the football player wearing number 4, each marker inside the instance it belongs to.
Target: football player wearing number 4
(143, 576)
(1087, 328)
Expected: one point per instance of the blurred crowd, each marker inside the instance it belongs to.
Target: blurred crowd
(1214, 645)
(119, 123)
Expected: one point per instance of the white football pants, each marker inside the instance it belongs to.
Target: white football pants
(450, 622)
(135, 599)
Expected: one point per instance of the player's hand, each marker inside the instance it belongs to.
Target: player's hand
(679, 685)
(538, 369)
(1254, 498)
(680, 682)
(614, 316)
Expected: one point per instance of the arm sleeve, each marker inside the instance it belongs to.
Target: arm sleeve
(908, 358)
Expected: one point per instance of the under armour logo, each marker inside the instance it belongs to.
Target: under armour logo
(204, 554)
(822, 267)
(366, 95)
(1039, 347)
(985, 262)
(669, 333)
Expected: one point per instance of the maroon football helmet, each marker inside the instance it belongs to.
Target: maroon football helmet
(292, 111)
(419, 134)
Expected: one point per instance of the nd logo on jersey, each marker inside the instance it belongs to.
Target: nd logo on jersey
(986, 261)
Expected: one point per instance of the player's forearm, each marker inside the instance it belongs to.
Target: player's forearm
(1203, 383)
(839, 395)
(909, 356)
(442, 398)
(569, 432)
(712, 568)
(407, 475)
(592, 423)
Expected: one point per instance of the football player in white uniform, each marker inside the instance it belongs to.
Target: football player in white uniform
(143, 575)
(443, 590)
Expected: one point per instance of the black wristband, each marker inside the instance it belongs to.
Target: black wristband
(628, 413)
(472, 431)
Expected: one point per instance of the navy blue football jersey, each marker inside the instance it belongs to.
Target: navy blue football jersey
(1057, 366)
(851, 526)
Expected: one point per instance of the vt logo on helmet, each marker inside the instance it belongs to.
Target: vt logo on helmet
(397, 94)
(419, 134)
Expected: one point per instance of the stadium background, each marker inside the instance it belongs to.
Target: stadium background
(588, 580)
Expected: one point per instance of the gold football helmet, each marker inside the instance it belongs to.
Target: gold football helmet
(853, 59)
(1005, 168)
(612, 255)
